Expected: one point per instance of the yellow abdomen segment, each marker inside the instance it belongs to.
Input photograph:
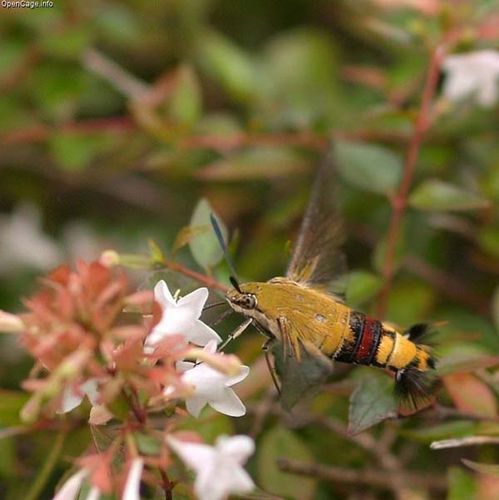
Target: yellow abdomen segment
(337, 330)
(404, 351)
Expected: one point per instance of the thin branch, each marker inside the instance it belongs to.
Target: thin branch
(399, 201)
(465, 441)
(204, 279)
(167, 484)
(43, 476)
(41, 132)
(114, 74)
(369, 477)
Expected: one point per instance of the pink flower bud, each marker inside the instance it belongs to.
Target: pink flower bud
(109, 258)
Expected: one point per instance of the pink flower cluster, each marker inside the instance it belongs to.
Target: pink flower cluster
(139, 358)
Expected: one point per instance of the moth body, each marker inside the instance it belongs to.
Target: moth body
(294, 313)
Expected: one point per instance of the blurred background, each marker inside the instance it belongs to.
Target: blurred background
(117, 118)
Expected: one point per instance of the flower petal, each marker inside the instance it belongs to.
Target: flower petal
(195, 405)
(238, 378)
(238, 447)
(132, 486)
(90, 389)
(162, 294)
(201, 334)
(94, 494)
(195, 301)
(241, 481)
(195, 455)
(230, 404)
(71, 398)
(71, 487)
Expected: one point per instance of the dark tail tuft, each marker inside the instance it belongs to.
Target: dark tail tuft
(414, 388)
(415, 384)
(421, 333)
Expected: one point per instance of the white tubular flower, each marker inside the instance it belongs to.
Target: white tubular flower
(71, 488)
(10, 323)
(181, 317)
(23, 242)
(132, 486)
(73, 397)
(212, 387)
(475, 73)
(218, 468)
(93, 494)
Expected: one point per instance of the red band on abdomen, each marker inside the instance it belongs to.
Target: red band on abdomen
(368, 344)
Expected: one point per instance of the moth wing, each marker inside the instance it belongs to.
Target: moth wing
(317, 258)
(301, 367)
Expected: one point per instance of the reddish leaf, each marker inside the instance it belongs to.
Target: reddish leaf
(471, 395)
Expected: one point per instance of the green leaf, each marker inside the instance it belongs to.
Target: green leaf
(372, 402)
(147, 445)
(410, 302)
(11, 403)
(436, 195)
(185, 104)
(298, 84)
(455, 429)
(155, 251)
(462, 485)
(204, 246)
(209, 426)
(362, 286)
(228, 64)
(488, 238)
(256, 163)
(368, 166)
(278, 443)
(68, 44)
(491, 469)
(75, 152)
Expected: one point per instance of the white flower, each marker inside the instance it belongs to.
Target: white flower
(71, 488)
(218, 468)
(24, 244)
(132, 486)
(473, 73)
(212, 387)
(93, 494)
(181, 317)
(73, 397)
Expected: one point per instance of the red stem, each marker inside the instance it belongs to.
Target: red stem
(201, 278)
(399, 201)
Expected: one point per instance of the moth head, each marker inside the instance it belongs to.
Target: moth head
(240, 299)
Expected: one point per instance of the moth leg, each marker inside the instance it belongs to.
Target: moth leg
(221, 317)
(270, 366)
(238, 331)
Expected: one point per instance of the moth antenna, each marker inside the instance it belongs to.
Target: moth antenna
(235, 284)
(223, 246)
(214, 304)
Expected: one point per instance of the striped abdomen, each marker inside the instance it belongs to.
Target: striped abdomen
(370, 342)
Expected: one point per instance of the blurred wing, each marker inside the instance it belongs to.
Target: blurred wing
(301, 367)
(302, 377)
(317, 258)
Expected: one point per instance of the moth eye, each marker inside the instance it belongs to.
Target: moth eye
(250, 301)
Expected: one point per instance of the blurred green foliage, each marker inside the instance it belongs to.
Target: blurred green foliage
(121, 116)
